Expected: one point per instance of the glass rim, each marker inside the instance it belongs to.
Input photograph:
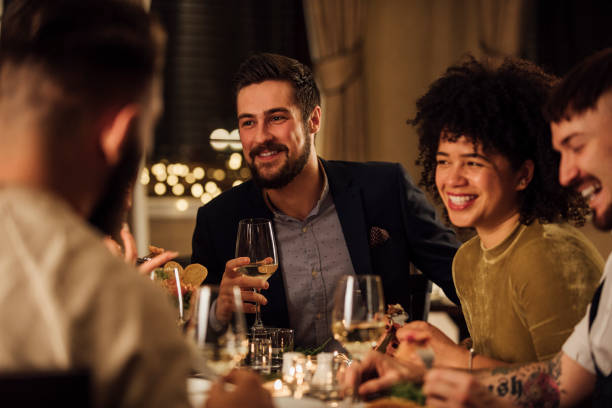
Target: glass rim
(254, 221)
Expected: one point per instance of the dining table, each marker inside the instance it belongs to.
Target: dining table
(197, 389)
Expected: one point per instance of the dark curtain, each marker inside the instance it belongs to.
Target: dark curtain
(569, 31)
(207, 40)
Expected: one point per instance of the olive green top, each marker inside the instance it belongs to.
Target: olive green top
(522, 298)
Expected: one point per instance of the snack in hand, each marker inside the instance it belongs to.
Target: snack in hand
(396, 318)
(194, 274)
(169, 268)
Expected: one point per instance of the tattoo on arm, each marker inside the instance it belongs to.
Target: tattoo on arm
(531, 385)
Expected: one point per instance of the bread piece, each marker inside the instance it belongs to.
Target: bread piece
(195, 274)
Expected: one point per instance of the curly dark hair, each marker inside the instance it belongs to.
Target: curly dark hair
(498, 108)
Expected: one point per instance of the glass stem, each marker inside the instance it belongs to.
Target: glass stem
(258, 323)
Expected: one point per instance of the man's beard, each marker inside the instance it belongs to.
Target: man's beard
(287, 172)
(111, 209)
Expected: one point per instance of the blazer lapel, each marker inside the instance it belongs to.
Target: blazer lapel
(349, 206)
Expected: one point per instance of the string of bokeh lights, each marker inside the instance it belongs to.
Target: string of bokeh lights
(181, 180)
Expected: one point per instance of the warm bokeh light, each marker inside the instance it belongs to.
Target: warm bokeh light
(178, 190)
(235, 135)
(199, 173)
(161, 177)
(158, 168)
(219, 174)
(245, 172)
(235, 161)
(172, 180)
(197, 190)
(182, 204)
(219, 134)
(181, 169)
(211, 187)
(206, 197)
(160, 189)
(190, 178)
(145, 178)
(236, 183)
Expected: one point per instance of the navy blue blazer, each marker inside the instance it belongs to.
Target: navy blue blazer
(366, 195)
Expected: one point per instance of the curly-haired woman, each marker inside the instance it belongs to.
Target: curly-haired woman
(526, 278)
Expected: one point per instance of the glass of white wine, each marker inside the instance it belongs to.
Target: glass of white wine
(358, 319)
(255, 240)
(218, 349)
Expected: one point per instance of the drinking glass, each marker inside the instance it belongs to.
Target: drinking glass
(255, 240)
(282, 342)
(219, 349)
(358, 319)
(260, 351)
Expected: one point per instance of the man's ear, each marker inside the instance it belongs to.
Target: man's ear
(314, 122)
(525, 174)
(114, 132)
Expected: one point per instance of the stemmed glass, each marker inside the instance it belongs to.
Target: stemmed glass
(219, 349)
(358, 319)
(255, 240)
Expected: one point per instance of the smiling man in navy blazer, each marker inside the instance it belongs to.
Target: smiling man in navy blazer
(330, 217)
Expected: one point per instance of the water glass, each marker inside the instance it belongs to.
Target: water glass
(294, 372)
(282, 342)
(260, 352)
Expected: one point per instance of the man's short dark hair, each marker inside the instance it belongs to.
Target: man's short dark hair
(499, 108)
(581, 88)
(97, 54)
(273, 67)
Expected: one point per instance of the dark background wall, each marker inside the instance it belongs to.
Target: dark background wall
(207, 41)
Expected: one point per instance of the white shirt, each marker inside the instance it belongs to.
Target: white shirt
(599, 339)
(66, 302)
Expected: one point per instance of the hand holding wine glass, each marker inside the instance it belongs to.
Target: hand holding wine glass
(358, 319)
(234, 277)
(255, 241)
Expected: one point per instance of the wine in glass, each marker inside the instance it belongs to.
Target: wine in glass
(255, 240)
(358, 315)
(219, 349)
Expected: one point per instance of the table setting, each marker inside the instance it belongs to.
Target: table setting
(308, 378)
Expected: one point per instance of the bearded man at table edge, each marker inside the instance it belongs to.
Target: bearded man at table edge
(331, 218)
(580, 113)
(79, 95)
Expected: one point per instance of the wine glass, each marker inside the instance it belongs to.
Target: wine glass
(358, 318)
(219, 349)
(255, 240)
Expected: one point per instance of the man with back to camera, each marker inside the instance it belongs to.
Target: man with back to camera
(79, 95)
(580, 112)
(330, 217)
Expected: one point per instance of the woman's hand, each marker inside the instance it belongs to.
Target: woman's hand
(379, 371)
(129, 254)
(418, 333)
(450, 388)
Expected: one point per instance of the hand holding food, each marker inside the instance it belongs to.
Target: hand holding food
(377, 372)
(417, 335)
(396, 318)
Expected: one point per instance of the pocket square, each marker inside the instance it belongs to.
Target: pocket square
(378, 236)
